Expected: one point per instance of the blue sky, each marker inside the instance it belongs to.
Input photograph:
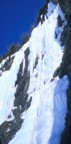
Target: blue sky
(16, 18)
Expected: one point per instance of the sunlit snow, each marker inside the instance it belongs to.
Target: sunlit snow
(45, 119)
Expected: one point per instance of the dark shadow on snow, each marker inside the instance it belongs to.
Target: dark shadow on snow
(59, 110)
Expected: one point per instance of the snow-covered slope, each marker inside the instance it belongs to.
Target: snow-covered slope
(44, 120)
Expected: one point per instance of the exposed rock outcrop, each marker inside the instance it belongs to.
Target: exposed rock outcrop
(9, 128)
(65, 67)
(65, 6)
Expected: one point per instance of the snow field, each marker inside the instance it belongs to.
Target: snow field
(45, 119)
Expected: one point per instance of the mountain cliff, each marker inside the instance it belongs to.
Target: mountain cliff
(35, 82)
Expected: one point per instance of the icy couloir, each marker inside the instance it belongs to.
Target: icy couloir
(44, 121)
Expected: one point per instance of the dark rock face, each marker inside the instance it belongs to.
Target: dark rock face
(66, 135)
(66, 60)
(42, 13)
(65, 66)
(65, 6)
(7, 65)
(0, 141)
(9, 128)
(64, 35)
(36, 62)
(55, 1)
(21, 95)
(66, 69)
(60, 21)
(60, 24)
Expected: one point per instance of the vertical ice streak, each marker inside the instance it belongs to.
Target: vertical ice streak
(45, 119)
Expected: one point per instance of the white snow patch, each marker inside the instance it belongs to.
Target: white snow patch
(7, 85)
(45, 119)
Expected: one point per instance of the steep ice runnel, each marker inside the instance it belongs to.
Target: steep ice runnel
(45, 119)
(7, 86)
